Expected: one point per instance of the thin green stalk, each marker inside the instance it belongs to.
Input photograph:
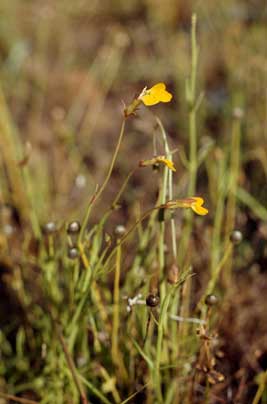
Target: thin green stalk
(127, 234)
(94, 390)
(218, 219)
(162, 324)
(17, 399)
(233, 182)
(71, 366)
(170, 187)
(193, 105)
(116, 310)
(192, 114)
(98, 193)
(261, 387)
(161, 240)
(216, 272)
(161, 327)
(175, 301)
(9, 146)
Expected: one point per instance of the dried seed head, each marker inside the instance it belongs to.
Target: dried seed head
(50, 228)
(73, 253)
(120, 230)
(173, 274)
(152, 300)
(236, 237)
(211, 300)
(74, 227)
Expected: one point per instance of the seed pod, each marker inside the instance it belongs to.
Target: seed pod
(73, 253)
(120, 230)
(236, 237)
(152, 300)
(211, 300)
(50, 228)
(74, 227)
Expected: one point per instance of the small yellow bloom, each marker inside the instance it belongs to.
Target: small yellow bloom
(155, 94)
(157, 160)
(152, 96)
(167, 162)
(195, 203)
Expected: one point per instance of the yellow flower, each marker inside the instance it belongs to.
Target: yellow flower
(155, 94)
(152, 96)
(167, 162)
(156, 160)
(195, 203)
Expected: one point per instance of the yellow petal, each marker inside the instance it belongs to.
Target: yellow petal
(149, 99)
(198, 200)
(165, 96)
(167, 162)
(158, 87)
(156, 94)
(159, 91)
(197, 206)
(199, 209)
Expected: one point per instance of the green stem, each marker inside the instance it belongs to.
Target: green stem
(193, 165)
(116, 312)
(233, 182)
(103, 186)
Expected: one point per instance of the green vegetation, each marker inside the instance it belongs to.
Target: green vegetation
(133, 237)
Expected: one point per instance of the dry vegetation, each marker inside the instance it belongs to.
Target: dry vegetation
(106, 294)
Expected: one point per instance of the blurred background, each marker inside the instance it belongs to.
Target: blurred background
(66, 68)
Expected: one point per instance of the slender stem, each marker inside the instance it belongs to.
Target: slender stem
(71, 366)
(98, 193)
(191, 101)
(115, 325)
(127, 179)
(170, 187)
(129, 232)
(115, 155)
(233, 181)
(18, 399)
(162, 233)
(261, 387)
(216, 273)
(219, 213)
(9, 145)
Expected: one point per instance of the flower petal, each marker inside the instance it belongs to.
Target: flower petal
(156, 94)
(198, 200)
(167, 162)
(199, 209)
(149, 99)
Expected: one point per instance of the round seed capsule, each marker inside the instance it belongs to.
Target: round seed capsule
(211, 300)
(50, 228)
(74, 227)
(73, 253)
(236, 237)
(152, 300)
(120, 230)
